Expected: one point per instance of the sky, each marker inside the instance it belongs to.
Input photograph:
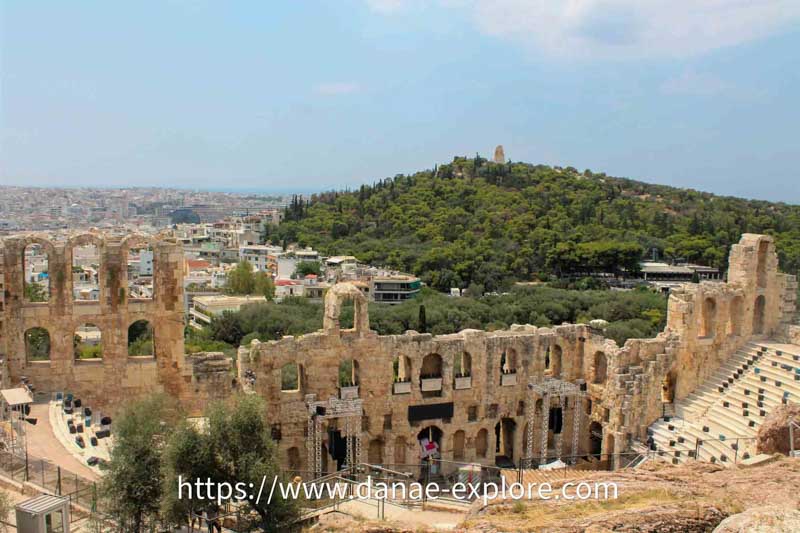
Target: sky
(308, 95)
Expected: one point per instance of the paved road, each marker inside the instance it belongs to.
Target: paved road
(42, 442)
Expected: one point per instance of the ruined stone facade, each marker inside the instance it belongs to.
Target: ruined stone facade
(110, 380)
(473, 392)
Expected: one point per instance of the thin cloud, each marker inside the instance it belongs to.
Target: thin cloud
(623, 29)
(337, 88)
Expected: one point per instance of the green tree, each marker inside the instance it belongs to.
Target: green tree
(264, 286)
(35, 292)
(133, 484)
(305, 268)
(422, 321)
(240, 279)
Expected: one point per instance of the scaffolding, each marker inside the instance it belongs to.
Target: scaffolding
(548, 389)
(350, 411)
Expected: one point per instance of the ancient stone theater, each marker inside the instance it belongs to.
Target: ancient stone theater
(727, 357)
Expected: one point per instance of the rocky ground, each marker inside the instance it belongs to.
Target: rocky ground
(657, 497)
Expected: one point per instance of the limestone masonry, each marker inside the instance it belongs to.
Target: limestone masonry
(341, 395)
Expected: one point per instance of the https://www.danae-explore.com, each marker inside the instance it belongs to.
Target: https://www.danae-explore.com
(270, 489)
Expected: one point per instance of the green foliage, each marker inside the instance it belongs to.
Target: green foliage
(539, 305)
(140, 338)
(235, 447)
(305, 268)
(244, 282)
(35, 292)
(474, 223)
(202, 341)
(37, 344)
(133, 483)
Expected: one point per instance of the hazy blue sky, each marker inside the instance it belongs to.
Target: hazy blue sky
(313, 94)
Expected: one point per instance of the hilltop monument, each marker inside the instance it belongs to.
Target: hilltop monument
(499, 154)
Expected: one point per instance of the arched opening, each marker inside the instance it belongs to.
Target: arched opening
(595, 439)
(735, 319)
(37, 344)
(668, 387)
(334, 300)
(141, 341)
(290, 377)
(375, 452)
(600, 367)
(504, 433)
(761, 267)
(458, 445)
(508, 361)
(87, 343)
(758, 315)
(400, 451)
(85, 273)
(431, 366)
(348, 373)
(141, 271)
(430, 376)
(482, 443)
(401, 369)
(36, 268)
(462, 366)
(553, 362)
(709, 318)
(293, 460)
(430, 444)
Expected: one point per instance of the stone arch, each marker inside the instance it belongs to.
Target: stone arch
(79, 241)
(462, 366)
(400, 450)
(375, 452)
(141, 339)
(600, 367)
(87, 342)
(49, 283)
(459, 438)
(432, 366)
(401, 368)
(37, 344)
(735, 316)
(508, 361)
(595, 439)
(348, 373)
(554, 367)
(135, 241)
(761, 264)
(482, 443)
(334, 299)
(291, 377)
(708, 321)
(759, 310)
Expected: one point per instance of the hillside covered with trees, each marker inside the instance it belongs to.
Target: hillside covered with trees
(476, 223)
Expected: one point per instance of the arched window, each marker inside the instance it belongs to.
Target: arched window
(600, 367)
(462, 366)
(141, 341)
(291, 377)
(87, 343)
(348, 373)
(482, 443)
(508, 361)
(709, 321)
(36, 267)
(758, 315)
(37, 344)
(761, 267)
(553, 365)
(141, 265)
(735, 319)
(85, 273)
(458, 445)
(431, 366)
(401, 369)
